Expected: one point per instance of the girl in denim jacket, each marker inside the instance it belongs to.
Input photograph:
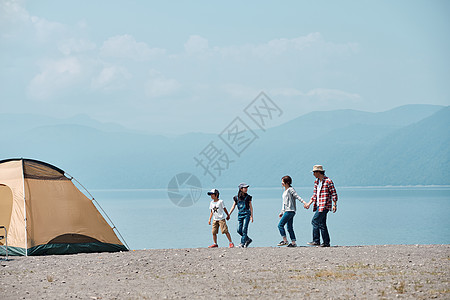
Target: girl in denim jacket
(243, 201)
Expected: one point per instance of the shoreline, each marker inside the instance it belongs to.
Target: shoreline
(164, 189)
(339, 272)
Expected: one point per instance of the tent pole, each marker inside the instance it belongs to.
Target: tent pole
(111, 224)
(24, 208)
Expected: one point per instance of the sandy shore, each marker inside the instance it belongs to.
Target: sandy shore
(367, 272)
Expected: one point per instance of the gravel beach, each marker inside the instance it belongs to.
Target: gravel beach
(357, 272)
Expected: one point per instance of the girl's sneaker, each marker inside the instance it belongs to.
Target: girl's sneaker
(283, 243)
(213, 246)
(231, 245)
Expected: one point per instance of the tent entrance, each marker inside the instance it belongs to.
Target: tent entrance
(6, 203)
(72, 238)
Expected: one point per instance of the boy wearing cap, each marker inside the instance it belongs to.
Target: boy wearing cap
(218, 209)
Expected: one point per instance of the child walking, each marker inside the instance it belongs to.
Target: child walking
(218, 209)
(288, 212)
(244, 203)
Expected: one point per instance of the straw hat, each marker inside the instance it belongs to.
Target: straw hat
(318, 168)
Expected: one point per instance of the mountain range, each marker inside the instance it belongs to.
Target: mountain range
(408, 145)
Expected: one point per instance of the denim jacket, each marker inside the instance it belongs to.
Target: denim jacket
(243, 204)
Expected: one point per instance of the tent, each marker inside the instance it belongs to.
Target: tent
(45, 213)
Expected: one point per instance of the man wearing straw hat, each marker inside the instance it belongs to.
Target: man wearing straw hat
(325, 194)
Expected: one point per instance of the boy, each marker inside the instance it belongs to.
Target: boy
(218, 208)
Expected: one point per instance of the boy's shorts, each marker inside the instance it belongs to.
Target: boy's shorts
(223, 226)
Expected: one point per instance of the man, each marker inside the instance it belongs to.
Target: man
(323, 198)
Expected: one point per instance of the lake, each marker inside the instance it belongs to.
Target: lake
(148, 219)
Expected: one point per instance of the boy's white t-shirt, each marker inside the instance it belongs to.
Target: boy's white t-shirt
(218, 210)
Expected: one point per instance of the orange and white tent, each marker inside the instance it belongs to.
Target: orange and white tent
(45, 213)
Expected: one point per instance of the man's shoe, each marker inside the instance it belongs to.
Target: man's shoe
(313, 244)
(292, 245)
(240, 246)
(325, 245)
(282, 243)
(213, 246)
(231, 245)
(248, 242)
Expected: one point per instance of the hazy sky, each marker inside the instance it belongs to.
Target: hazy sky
(181, 66)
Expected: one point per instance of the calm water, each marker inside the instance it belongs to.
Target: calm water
(147, 219)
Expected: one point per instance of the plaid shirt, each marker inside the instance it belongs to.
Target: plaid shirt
(327, 193)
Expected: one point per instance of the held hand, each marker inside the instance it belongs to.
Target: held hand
(228, 217)
(306, 206)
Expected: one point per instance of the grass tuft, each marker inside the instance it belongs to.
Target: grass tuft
(400, 287)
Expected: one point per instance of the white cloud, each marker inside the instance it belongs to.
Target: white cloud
(82, 24)
(13, 12)
(240, 91)
(158, 86)
(332, 94)
(15, 21)
(318, 93)
(196, 45)
(279, 47)
(14, 17)
(111, 78)
(56, 76)
(222, 76)
(304, 42)
(286, 92)
(46, 30)
(125, 46)
(72, 45)
(296, 47)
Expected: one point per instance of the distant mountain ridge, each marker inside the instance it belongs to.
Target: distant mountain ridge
(408, 145)
(17, 123)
